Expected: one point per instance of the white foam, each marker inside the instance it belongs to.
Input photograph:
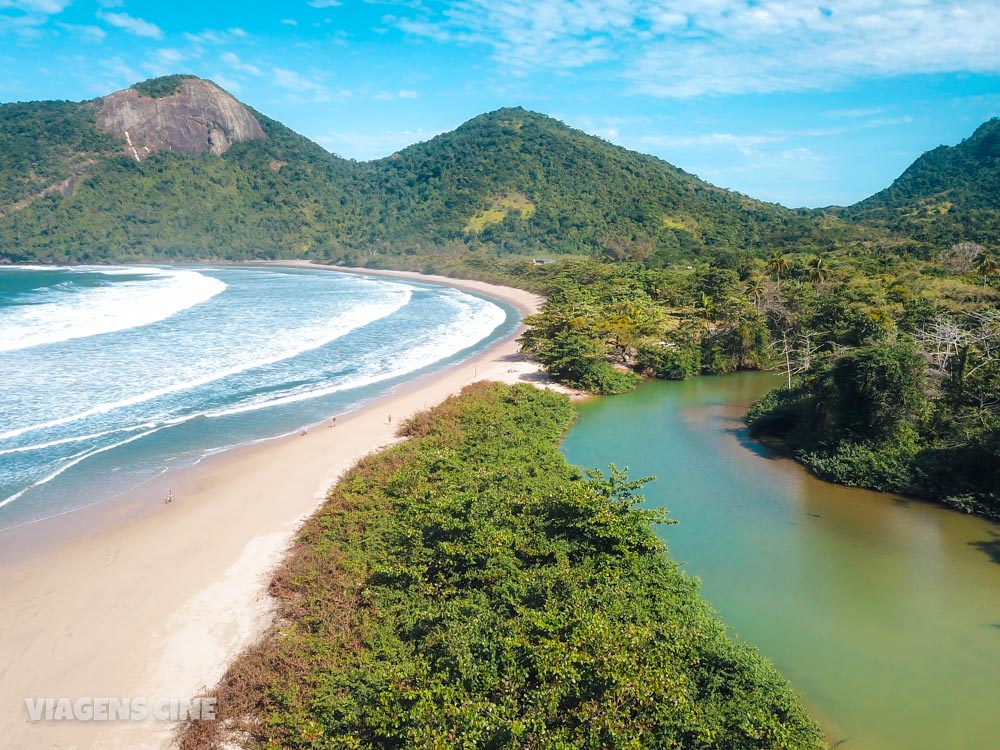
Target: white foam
(306, 339)
(74, 460)
(476, 320)
(91, 311)
(76, 439)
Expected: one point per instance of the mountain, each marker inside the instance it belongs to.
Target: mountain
(183, 114)
(519, 180)
(170, 168)
(950, 194)
(177, 168)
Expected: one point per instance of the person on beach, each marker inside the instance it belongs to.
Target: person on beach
(333, 422)
(170, 497)
(390, 419)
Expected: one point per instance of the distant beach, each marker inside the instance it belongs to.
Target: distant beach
(137, 597)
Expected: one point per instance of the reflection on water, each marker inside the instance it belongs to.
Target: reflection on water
(883, 612)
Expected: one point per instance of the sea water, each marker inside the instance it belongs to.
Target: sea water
(111, 375)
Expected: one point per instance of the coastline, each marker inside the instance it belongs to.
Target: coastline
(141, 599)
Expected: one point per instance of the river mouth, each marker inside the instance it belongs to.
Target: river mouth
(883, 612)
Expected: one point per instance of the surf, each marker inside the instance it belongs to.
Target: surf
(73, 311)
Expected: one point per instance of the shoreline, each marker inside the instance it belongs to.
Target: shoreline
(21, 541)
(131, 597)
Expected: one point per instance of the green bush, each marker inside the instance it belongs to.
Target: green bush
(669, 362)
(468, 588)
(157, 88)
(885, 466)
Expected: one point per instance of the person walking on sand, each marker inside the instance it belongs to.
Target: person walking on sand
(390, 419)
(170, 497)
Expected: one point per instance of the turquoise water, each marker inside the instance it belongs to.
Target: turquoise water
(883, 613)
(108, 376)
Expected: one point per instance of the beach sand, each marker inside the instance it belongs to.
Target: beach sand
(138, 598)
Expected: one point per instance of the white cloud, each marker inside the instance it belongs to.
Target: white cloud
(851, 113)
(118, 73)
(745, 143)
(133, 25)
(30, 23)
(391, 95)
(370, 145)
(47, 7)
(325, 3)
(304, 90)
(684, 48)
(234, 62)
(289, 79)
(169, 56)
(165, 61)
(24, 26)
(87, 33)
(215, 36)
(289, 22)
(227, 83)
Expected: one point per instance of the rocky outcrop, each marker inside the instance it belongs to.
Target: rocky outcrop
(200, 117)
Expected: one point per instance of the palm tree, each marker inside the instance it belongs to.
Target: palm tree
(986, 266)
(778, 265)
(755, 289)
(817, 270)
(706, 306)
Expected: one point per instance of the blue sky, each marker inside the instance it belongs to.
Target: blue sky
(793, 102)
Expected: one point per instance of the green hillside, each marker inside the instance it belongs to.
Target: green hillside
(510, 181)
(282, 196)
(506, 182)
(948, 195)
(45, 143)
(520, 181)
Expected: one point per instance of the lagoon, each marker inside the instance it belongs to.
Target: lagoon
(883, 612)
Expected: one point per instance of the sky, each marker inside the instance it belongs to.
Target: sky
(788, 101)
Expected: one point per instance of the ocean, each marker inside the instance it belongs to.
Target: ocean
(111, 375)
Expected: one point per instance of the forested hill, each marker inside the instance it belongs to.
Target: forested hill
(519, 180)
(950, 194)
(73, 191)
(74, 187)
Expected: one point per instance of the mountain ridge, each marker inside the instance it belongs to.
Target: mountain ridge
(947, 195)
(509, 181)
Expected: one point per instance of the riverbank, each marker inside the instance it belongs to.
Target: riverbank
(459, 586)
(839, 586)
(142, 599)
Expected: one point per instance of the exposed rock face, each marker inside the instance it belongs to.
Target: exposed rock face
(200, 117)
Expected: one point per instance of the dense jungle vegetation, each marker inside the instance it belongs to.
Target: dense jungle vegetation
(469, 588)
(892, 366)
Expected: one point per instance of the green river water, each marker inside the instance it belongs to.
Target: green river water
(883, 613)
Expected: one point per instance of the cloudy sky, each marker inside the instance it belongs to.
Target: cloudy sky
(785, 100)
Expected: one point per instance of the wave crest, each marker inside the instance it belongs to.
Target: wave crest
(89, 311)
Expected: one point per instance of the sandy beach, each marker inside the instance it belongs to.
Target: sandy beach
(137, 598)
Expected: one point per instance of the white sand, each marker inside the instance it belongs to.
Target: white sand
(155, 600)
